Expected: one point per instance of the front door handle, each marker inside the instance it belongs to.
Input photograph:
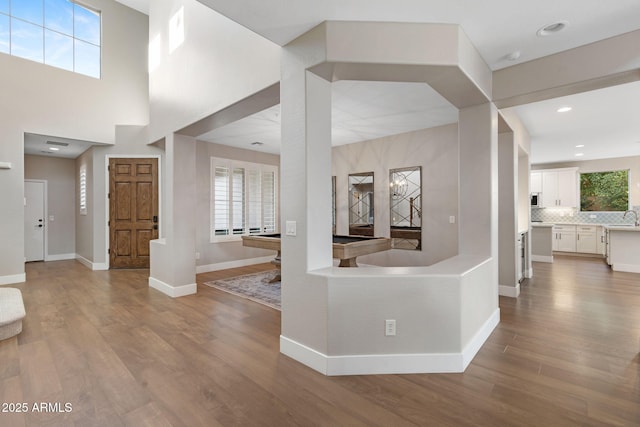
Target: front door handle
(40, 225)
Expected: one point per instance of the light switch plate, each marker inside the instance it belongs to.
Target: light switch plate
(290, 228)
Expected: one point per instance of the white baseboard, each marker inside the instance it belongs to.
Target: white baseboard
(542, 258)
(509, 291)
(480, 337)
(59, 257)
(232, 264)
(390, 363)
(303, 354)
(95, 266)
(14, 278)
(172, 291)
(630, 268)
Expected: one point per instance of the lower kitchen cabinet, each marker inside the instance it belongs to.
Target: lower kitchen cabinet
(601, 242)
(586, 239)
(564, 238)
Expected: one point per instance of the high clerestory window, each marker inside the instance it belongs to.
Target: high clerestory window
(60, 33)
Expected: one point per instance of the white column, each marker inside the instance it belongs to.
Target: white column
(173, 265)
(478, 216)
(306, 200)
(508, 214)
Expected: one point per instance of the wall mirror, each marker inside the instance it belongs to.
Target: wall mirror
(405, 204)
(361, 204)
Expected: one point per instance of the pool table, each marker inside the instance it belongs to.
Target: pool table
(345, 248)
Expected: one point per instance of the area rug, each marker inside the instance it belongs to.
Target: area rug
(255, 287)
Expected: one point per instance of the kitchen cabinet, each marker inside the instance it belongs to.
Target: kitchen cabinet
(535, 182)
(564, 238)
(623, 248)
(586, 239)
(559, 188)
(601, 240)
(542, 242)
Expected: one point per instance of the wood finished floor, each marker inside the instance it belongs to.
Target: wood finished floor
(564, 354)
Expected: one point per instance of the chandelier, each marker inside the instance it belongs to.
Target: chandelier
(398, 187)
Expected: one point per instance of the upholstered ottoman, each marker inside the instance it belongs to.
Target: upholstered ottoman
(11, 312)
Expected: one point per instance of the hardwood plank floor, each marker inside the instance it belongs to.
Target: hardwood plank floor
(566, 353)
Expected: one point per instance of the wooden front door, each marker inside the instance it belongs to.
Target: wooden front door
(133, 211)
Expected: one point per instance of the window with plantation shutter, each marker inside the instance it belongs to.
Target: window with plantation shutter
(243, 199)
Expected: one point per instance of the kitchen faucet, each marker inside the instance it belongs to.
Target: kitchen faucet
(637, 221)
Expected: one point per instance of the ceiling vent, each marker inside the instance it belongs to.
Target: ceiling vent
(59, 144)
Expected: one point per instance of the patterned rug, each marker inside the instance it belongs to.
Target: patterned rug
(255, 287)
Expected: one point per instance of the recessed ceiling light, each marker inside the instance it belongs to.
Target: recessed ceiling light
(552, 28)
(564, 109)
(579, 154)
(54, 149)
(580, 146)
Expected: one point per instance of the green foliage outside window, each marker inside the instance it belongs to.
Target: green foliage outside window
(604, 191)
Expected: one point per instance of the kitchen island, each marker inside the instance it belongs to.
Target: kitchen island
(541, 242)
(623, 248)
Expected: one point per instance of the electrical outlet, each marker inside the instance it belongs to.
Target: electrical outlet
(390, 327)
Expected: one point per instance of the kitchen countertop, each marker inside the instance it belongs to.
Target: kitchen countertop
(609, 226)
(542, 224)
(614, 227)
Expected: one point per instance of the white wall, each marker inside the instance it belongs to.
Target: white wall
(61, 189)
(436, 150)
(219, 63)
(523, 142)
(507, 225)
(40, 99)
(215, 254)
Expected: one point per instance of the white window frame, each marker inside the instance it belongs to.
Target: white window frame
(247, 166)
(72, 36)
(83, 190)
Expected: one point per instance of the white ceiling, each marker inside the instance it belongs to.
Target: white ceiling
(40, 145)
(361, 111)
(496, 27)
(605, 121)
(139, 5)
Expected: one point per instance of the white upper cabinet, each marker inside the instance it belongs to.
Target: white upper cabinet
(536, 182)
(559, 188)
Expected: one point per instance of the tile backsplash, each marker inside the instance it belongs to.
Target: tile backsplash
(570, 216)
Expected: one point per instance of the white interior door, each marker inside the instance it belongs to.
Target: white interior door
(34, 221)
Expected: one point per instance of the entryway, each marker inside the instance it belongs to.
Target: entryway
(133, 211)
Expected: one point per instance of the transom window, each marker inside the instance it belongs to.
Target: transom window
(60, 33)
(243, 199)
